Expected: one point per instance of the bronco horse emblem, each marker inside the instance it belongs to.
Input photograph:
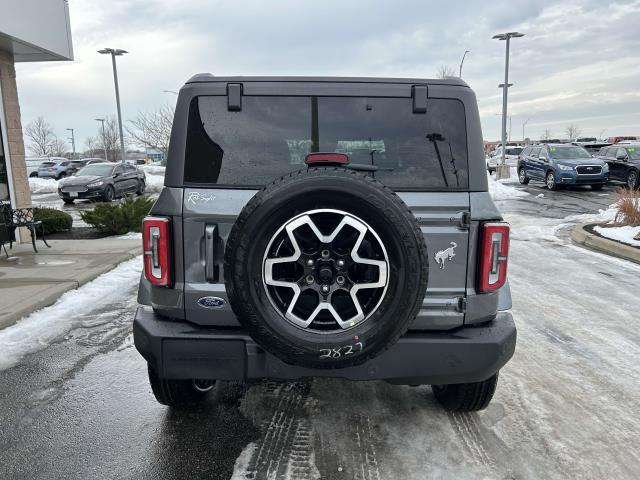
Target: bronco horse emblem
(446, 254)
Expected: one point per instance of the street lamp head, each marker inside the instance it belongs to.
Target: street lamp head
(504, 36)
(114, 51)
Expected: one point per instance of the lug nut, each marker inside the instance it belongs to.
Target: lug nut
(340, 280)
(325, 253)
(325, 288)
(310, 262)
(340, 263)
(309, 279)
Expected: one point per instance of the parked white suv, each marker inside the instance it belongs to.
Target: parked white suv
(510, 157)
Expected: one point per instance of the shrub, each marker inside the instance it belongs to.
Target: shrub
(53, 220)
(119, 218)
(628, 206)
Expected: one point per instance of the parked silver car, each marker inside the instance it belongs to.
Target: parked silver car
(55, 167)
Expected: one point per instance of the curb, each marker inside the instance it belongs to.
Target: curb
(587, 239)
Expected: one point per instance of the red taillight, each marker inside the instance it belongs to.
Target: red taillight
(327, 159)
(494, 254)
(156, 244)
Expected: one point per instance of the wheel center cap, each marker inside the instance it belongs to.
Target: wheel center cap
(325, 274)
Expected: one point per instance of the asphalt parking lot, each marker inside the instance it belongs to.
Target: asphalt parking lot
(566, 406)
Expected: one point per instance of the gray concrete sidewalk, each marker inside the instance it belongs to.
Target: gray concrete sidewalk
(30, 281)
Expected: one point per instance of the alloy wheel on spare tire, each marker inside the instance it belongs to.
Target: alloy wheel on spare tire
(326, 268)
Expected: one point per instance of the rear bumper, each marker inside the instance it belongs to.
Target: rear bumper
(183, 350)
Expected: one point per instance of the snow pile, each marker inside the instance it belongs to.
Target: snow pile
(130, 236)
(43, 185)
(155, 183)
(603, 216)
(500, 191)
(624, 234)
(153, 169)
(40, 329)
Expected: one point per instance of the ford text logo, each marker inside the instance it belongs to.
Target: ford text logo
(211, 302)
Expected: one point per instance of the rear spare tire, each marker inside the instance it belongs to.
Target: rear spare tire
(326, 268)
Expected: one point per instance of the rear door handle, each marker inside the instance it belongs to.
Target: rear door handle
(211, 269)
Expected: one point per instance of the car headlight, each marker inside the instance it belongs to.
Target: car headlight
(565, 167)
(605, 167)
(96, 184)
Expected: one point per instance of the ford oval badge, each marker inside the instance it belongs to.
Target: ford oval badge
(211, 302)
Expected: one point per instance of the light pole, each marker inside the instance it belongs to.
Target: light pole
(116, 52)
(462, 61)
(502, 171)
(104, 138)
(524, 124)
(73, 142)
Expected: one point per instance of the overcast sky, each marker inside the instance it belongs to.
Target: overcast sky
(578, 63)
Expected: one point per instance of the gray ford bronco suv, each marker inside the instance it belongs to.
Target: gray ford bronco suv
(325, 227)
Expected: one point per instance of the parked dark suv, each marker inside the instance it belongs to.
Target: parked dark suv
(624, 163)
(325, 227)
(558, 164)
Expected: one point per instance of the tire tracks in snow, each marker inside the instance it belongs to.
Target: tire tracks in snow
(285, 450)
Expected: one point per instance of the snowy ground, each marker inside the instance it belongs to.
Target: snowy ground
(566, 405)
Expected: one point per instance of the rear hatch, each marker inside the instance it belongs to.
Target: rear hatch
(232, 150)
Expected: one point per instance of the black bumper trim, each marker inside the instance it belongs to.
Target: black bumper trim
(183, 350)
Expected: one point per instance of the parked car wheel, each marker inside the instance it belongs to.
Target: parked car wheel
(551, 181)
(67, 201)
(33, 174)
(330, 229)
(490, 170)
(466, 397)
(179, 393)
(109, 194)
(522, 177)
(141, 188)
(596, 186)
(632, 179)
(62, 175)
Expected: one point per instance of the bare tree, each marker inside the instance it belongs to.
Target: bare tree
(108, 140)
(546, 135)
(152, 129)
(41, 136)
(58, 148)
(572, 131)
(445, 71)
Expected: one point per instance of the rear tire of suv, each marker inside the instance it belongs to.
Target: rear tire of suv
(67, 201)
(179, 393)
(293, 291)
(596, 186)
(141, 187)
(466, 397)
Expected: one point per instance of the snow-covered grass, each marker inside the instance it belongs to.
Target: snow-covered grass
(43, 185)
(40, 329)
(624, 234)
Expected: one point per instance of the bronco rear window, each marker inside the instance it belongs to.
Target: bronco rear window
(271, 136)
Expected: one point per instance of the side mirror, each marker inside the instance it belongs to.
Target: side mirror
(621, 157)
(543, 158)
